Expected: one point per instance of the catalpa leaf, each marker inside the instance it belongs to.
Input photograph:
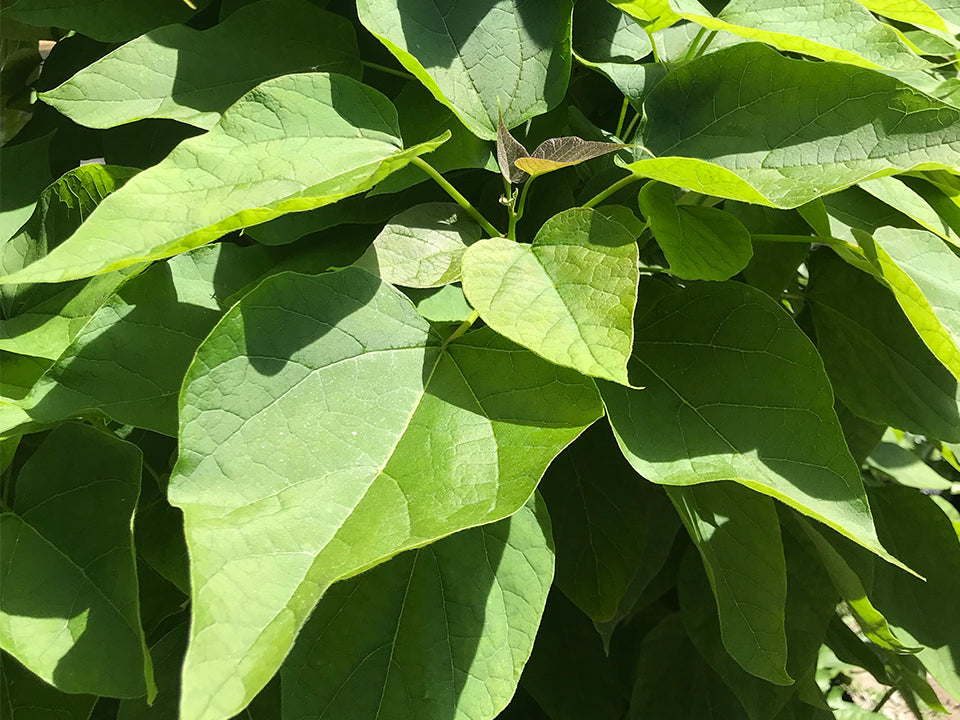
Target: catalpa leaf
(443, 631)
(700, 243)
(557, 153)
(18, 200)
(509, 150)
(570, 295)
(724, 371)
(27, 696)
(68, 603)
(759, 127)
(480, 60)
(896, 459)
(916, 12)
(602, 33)
(42, 320)
(737, 533)
(324, 428)
(898, 194)
(293, 143)
(422, 247)
(821, 29)
(195, 75)
(653, 14)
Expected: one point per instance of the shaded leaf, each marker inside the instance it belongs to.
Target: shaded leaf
(24, 696)
(602, 33)
(509, 150)
(906, 467)
(31, 162)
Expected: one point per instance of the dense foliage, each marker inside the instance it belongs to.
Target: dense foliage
(487, 358)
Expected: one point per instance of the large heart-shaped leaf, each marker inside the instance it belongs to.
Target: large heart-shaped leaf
(324, 428)
(482, 60)
(293, 143)
(570, 295)
(724, 371)
(195, 75)
(765, 129)
(443, 631)
(68, 600)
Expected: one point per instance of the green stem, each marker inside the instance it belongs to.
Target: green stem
(601, 196)
(883, 701)
(706, 43)
(693, 46)
(388, 70)
(464, 326)
(623, 116)
(455, 194)
(630, 126)
(523, 196)
(653, 45)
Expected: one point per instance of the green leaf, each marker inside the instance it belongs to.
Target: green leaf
(725, 372)
(482, 60)
(877, 363)
(700, 243)
(19, 373)
(167, 653)
(608, 522)
(260, 161)
(69, 596)
(906, 467)
(107, 20)
(561, 152)
(42, 320)
(24, 696)
(788, 131)
(570, 295)
(911, 203)
(422, 247)
(443, 631)
(31, 161)
(602, 33)
(324, 428)
(446, 304)
(915, 12)
(821, 29)
(195, 75)
(737, 533)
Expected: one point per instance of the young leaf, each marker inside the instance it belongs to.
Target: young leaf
(570, 295)
(751, 136)
(509, 150)
(324, 428)
(68, 602)
(443, 631)
(422, 247)
(480, 60)
(724, 370)
(737, 533)
(293, 143)
(700, 243)
(195, 75)
(561, 152)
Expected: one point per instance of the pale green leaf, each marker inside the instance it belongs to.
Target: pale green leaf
(737, 533)
(733, 390)
(443, 631)
(608, 523)
(570, 295)
(652, 14)
(24, 696)
(916, 12)
(19, 373)
(422, 247)
(759, 127)
(877, 363)
(482, 60)
(700, 243)
(324, 427)
(293, 143)
(911, 203)
(834, 30)
(907, 467)
(445, 304)
(68, 602)
(194, 75)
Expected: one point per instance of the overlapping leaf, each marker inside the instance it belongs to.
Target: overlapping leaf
(356, 433)
(509, 57)
(758, 127)
(68, 603)
(24, 695)
(443, 631)
(293, 143)
(570, 295)
(195, 75)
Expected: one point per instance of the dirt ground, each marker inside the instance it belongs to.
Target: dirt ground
(865, 692)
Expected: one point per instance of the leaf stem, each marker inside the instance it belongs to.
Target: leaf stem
(523, 196)
(623, 116)
(455, 194)
(653, 45)
(388, 70)
(706, 44)
(883, 701)
(629, 129)
(603, 195)
(693, 45)
(464, 326)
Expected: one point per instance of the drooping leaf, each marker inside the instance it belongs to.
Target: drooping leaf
(68, 600)
(356, 433)
(906, 467)
(195, 75)
(700, 243)
(422, 247)
(293, 143)
(911, 203)
(508, 57)
(820, 29)
(751, 135)
(42, 320)
(737, 533)
(443, 631)
(724, 372)
(25, 696)
(607, 522)
(570, 295)
(877, 363)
